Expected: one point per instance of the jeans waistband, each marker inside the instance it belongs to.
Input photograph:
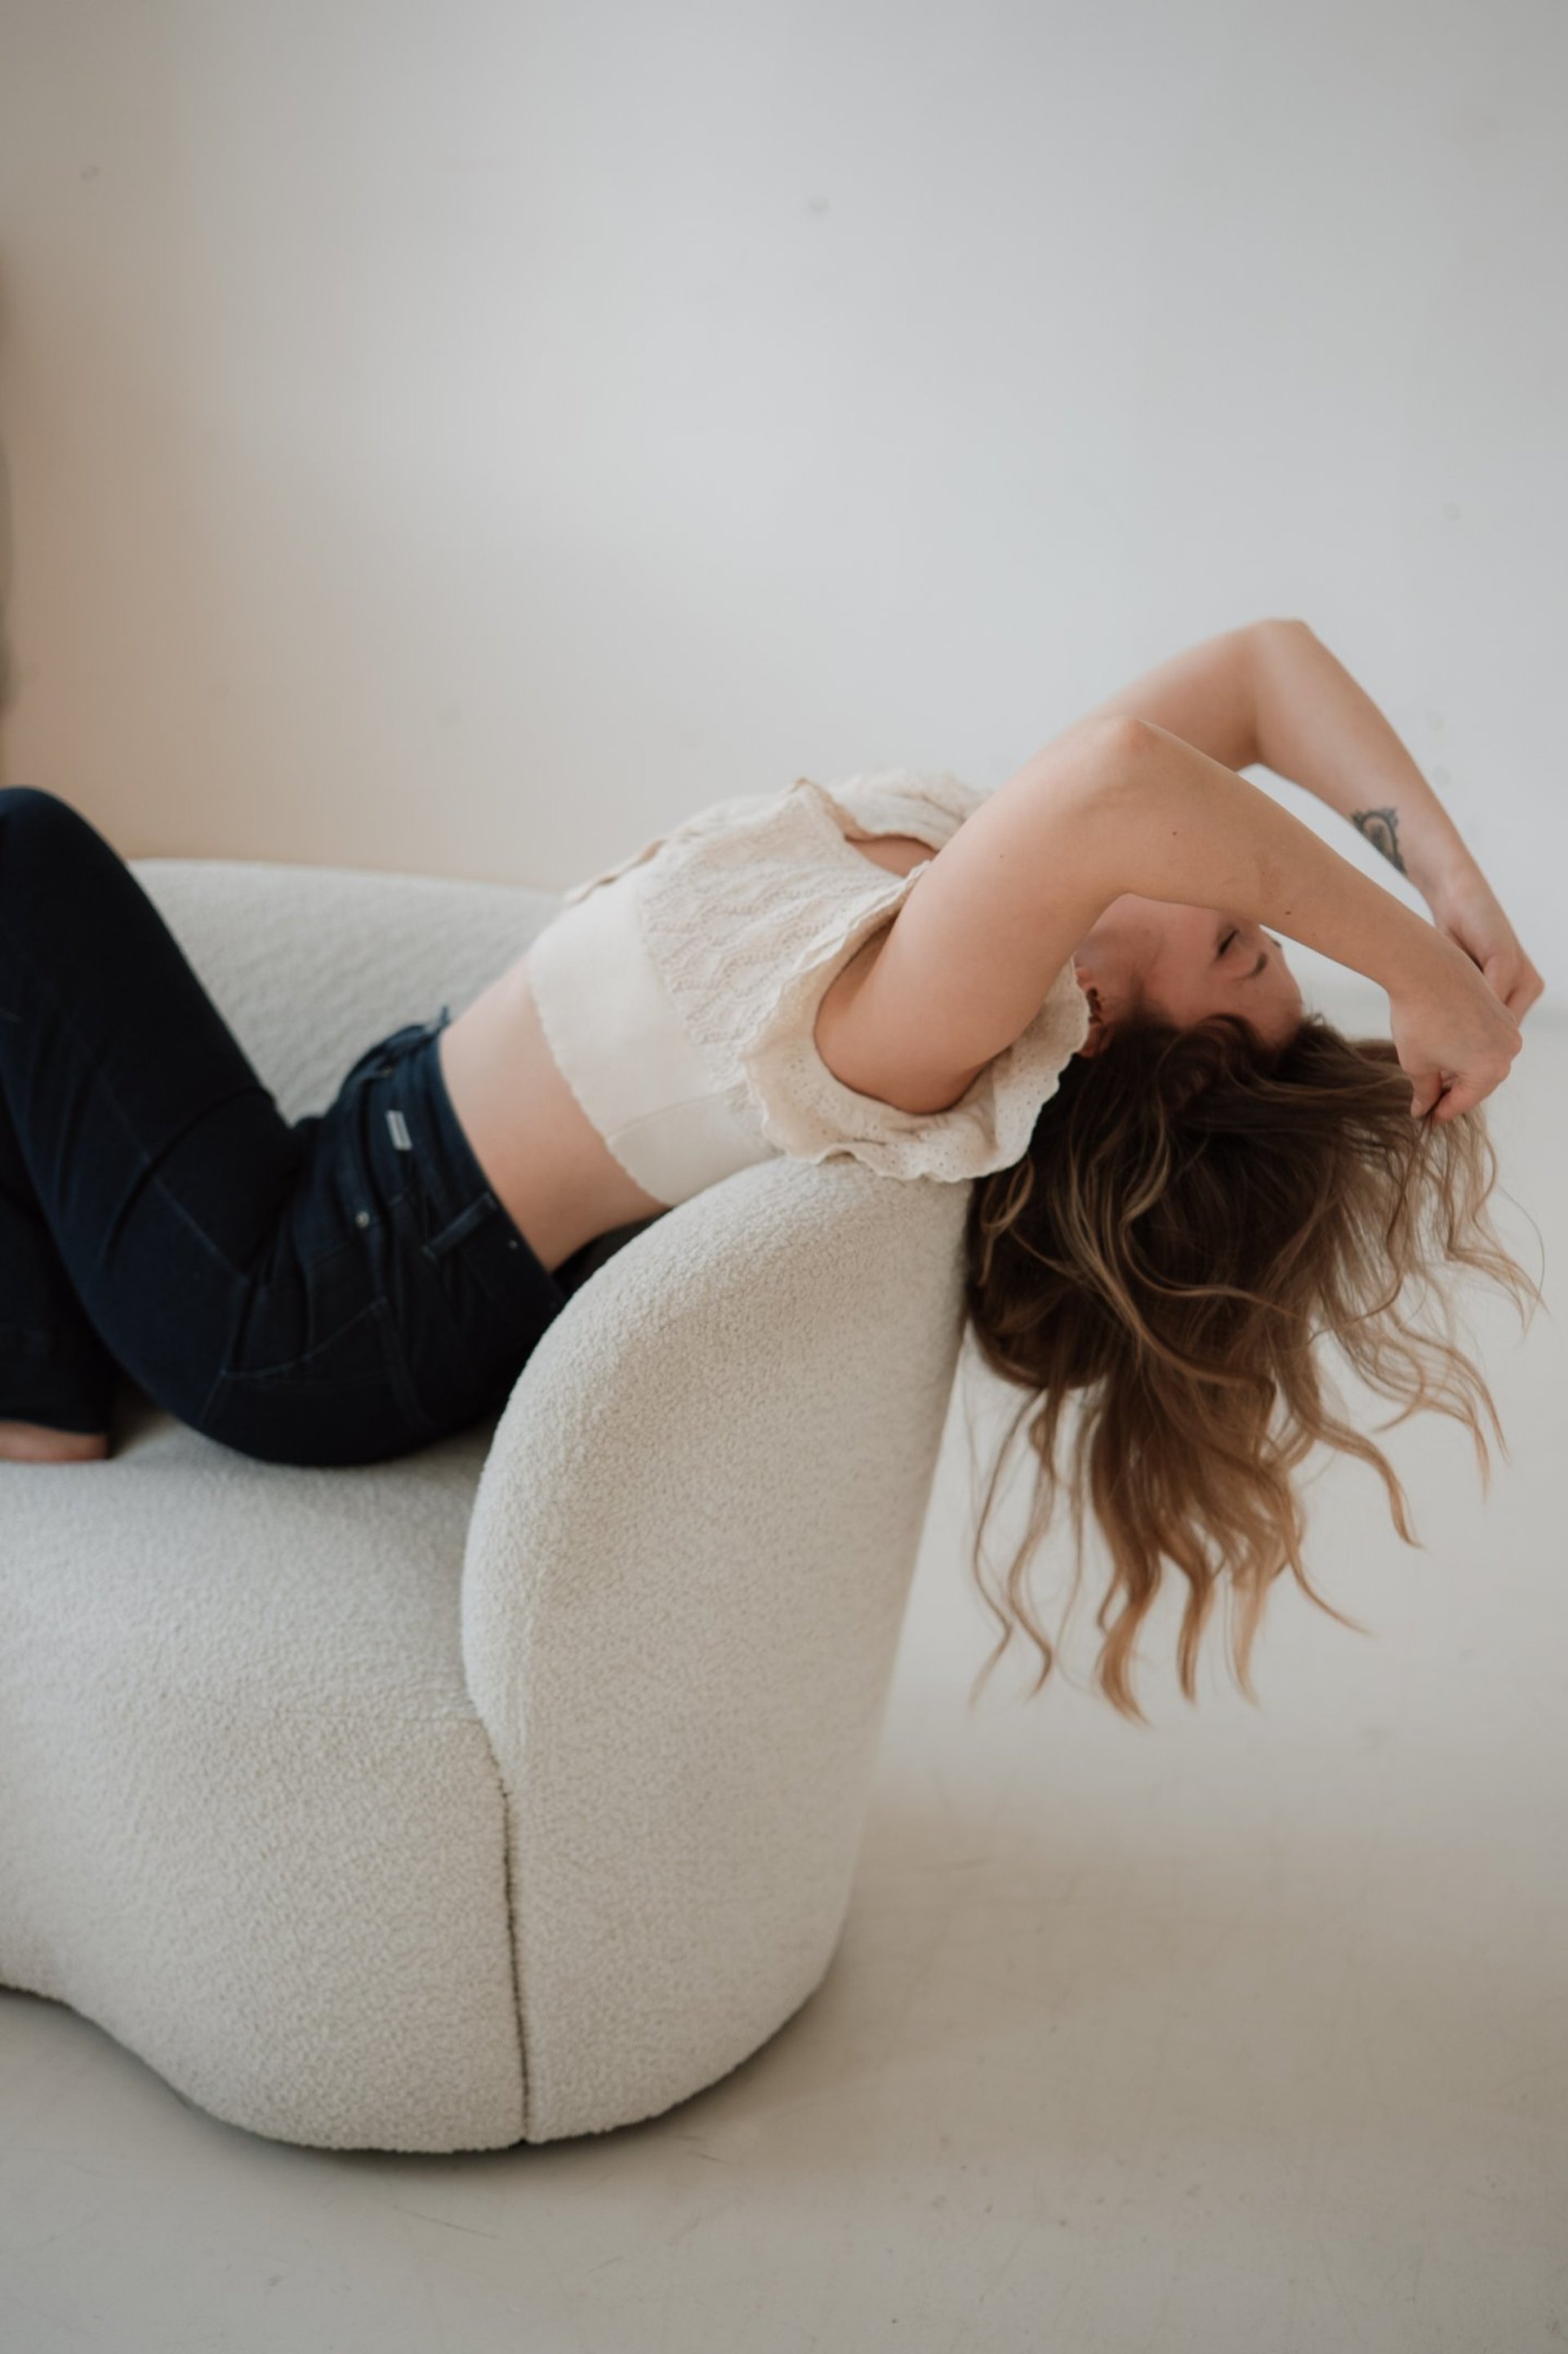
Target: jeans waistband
(417, 1117)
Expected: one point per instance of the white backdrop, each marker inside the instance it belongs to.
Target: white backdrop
(466, 438)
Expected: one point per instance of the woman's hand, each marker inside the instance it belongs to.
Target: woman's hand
(1455, 1036)
(1466, 911)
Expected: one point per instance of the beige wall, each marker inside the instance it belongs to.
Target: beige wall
(465, 438)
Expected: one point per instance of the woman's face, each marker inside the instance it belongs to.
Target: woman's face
(1182, 963)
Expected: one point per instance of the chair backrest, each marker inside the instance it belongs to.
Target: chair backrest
(308, 965)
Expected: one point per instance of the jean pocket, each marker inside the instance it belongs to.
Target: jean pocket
(346, 1343)
(348, 1398)
(446, 1237)
(467, 1324)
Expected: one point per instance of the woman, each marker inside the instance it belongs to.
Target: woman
(1070, 991)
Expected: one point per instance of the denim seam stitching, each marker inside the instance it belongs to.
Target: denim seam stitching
(149, 1167)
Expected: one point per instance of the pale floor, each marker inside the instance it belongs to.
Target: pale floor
(1244, 2034)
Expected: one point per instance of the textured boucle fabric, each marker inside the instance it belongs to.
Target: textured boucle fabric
(687, 1692)
(250, 1821)
(511, 1788)
(747, 912)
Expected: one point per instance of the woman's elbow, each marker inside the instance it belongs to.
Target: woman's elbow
(1112, 744)
(1104, 766)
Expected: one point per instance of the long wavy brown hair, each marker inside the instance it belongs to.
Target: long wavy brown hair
(1198, 1213)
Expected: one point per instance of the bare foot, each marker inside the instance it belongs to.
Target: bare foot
(34, 1442)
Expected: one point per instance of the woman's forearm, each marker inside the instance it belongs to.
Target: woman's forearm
(1154, 815)
(1314, 726)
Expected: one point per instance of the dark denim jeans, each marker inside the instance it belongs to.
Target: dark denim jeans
(333, 1290)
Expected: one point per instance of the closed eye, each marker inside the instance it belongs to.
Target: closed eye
(1234, 933)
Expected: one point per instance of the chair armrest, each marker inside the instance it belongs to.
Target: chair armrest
(686, 1571)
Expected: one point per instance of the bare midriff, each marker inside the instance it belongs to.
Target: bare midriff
(542, 1157)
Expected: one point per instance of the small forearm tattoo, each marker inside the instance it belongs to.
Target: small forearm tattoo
(1380, 828)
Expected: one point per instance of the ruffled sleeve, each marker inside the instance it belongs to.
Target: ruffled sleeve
(751, 908)
(805, 1110)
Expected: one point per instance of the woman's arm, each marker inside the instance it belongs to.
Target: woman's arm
(1120, 804)
(1315, 728)
(1154, 815)
(1272, 695)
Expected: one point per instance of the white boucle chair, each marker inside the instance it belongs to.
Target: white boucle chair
(512, 1788)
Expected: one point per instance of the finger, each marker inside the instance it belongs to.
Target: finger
(1427, 1087)
(1466, 1094)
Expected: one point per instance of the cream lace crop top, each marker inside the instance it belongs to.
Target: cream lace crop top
(678, 994)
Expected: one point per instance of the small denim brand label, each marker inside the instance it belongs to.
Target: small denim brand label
(400, 1128)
